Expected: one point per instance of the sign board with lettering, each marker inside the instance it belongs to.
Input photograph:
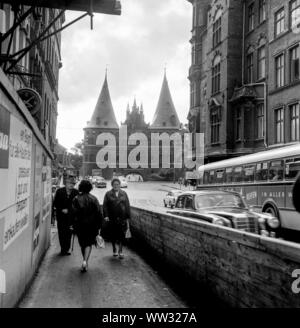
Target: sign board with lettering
(4, 137)
(46, 189)
(14, 202)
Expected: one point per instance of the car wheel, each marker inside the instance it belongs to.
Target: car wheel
(270, 209)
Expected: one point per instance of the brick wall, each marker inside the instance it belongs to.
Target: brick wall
(242, 269)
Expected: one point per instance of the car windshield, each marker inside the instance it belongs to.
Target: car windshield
(219, 200)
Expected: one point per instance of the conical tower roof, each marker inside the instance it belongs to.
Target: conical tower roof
(104, 115)
(165, 115)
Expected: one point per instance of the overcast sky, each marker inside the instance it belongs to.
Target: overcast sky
(135, 47)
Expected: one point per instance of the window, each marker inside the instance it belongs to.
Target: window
(217, 29)
(262, 10)
(98, 120)
(180, 202)
(189, 201)
(238, 124)
(216, 75)
(279, 125)
(261, 173)
(206, 178)
(229, 175)
(260, 121)
(280, 70)
(294, 122)
(292, 168)
(279, 21)
(276, 171)
(249, 171)
(261, 58)
(294, 64)
(251, 17)
(250, 68)
(220, 175)
(238, 174)
(295, 13)
(215, 127)
(211, 177)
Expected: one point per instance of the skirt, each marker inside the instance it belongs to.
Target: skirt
(86, 236)
(117, 230)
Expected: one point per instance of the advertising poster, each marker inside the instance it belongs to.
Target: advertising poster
(37, 194)
(46, 174)
(14, 204)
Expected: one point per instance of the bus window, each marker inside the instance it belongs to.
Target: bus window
(212, 177)
(206, 178)
(249, 173)
(229, 175)
(276, 171)
(238, 174)
(220, 176)
(292, 169)
(261, 172)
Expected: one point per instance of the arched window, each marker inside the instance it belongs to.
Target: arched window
(217, 28)
(216, 74)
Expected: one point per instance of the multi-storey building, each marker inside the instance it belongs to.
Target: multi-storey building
(103, 120)
(38, 69)
(245, 75)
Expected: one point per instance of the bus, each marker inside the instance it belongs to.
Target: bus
(265, 180)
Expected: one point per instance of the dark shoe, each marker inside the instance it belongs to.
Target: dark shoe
(65, 253)
(84, 267)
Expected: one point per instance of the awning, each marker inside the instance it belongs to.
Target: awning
(110, 7)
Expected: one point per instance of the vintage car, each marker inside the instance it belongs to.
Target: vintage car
(226, 209)
(171, 198)
(100, 182)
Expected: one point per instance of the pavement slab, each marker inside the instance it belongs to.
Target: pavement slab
(109, 282)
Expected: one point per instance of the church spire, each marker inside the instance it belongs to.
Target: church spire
(165, 115)
(104, 116)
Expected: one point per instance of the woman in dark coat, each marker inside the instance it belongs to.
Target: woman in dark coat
(116, 211)
(87, 220)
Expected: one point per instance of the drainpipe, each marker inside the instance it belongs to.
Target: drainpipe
(243, 54)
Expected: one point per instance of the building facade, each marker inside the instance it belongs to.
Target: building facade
(245, 75)
(165, 122)
(39, 68)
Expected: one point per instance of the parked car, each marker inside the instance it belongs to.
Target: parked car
(225, 208)
(100, 183)
(171, 198)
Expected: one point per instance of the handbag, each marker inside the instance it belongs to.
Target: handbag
(100, 243)
(128, 234)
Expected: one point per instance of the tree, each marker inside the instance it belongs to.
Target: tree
(78, 148)
(77, 156)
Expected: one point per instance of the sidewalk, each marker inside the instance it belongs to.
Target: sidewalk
(110, 282)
